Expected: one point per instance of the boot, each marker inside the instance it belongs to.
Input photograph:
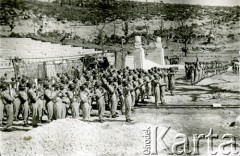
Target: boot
(129, 120)
(102, 121)
(25, 124)
(15, 119)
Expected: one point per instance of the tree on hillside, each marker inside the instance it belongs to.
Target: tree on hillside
(109, 11)
(185, 33)
(125, 28)
(183, 30)
(10, 12)
(105, 14)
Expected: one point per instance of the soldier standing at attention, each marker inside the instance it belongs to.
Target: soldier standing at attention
(40, 101)
(199, 67)
(196, 72)
(165, 78)
(49, 103)
(192, 75)
(121, 97)
(65, 100)
(137, 91)
(7, 101)
(171, 81)
(85, 105)
(32, 97)
(156, 86)
(133, 93)
(99, 93)
(24, 103)
(75, 105)
(127, 89)
(127, 100)
(162, 89)
(148, 85)
(112, 98)
(16, 102)
(143, 88)
(57, 106)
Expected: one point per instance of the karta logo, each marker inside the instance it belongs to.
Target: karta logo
(154, 139)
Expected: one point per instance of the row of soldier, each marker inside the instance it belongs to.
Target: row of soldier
(67, 94)
(197, 71)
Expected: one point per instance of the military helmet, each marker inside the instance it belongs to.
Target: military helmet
(72, 86)
(97, 84)
(22, 87)
(125, 82)
(46, 85)
(4, 86)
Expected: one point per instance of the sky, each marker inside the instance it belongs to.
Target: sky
(199, 2)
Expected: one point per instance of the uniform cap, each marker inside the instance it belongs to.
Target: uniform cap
(30, 84)
(125, 83)
(22, 86)
(46, 85)
(97, 84)
(82, 87)
(56, 85)
(72, 86)
(156, 76)
(4, 86)
(61, 86)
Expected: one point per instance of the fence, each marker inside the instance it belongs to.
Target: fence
(205, 69)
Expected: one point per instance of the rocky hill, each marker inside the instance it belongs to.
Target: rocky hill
(103, 24)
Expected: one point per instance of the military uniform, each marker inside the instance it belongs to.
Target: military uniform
(148, 86)
(32, 97)
(156, 87)
(7, 102)
(100, 101)
(196, 72)
(1, 111)
(171, 81)
(112, 100)
(57, 107)
(192, 75)
(121, 97)
(16, 105)
(48, 96)
(162, 89)
(133, 93)
(75, 105)
(24, 104)
(86, 107)
(127, 100)
(137, 91)
(41, 103)
(142, 89)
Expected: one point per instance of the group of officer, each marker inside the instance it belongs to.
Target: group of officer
(197, 71)
(235, 65)
(68, 93)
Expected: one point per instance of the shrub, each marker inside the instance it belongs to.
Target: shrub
(17, 35)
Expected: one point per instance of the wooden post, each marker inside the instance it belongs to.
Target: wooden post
(122, 56)
(115, 55)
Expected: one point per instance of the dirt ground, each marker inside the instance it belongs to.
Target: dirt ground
(116, 137)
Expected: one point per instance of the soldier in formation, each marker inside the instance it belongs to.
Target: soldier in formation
(197, 71)
(74, 94)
